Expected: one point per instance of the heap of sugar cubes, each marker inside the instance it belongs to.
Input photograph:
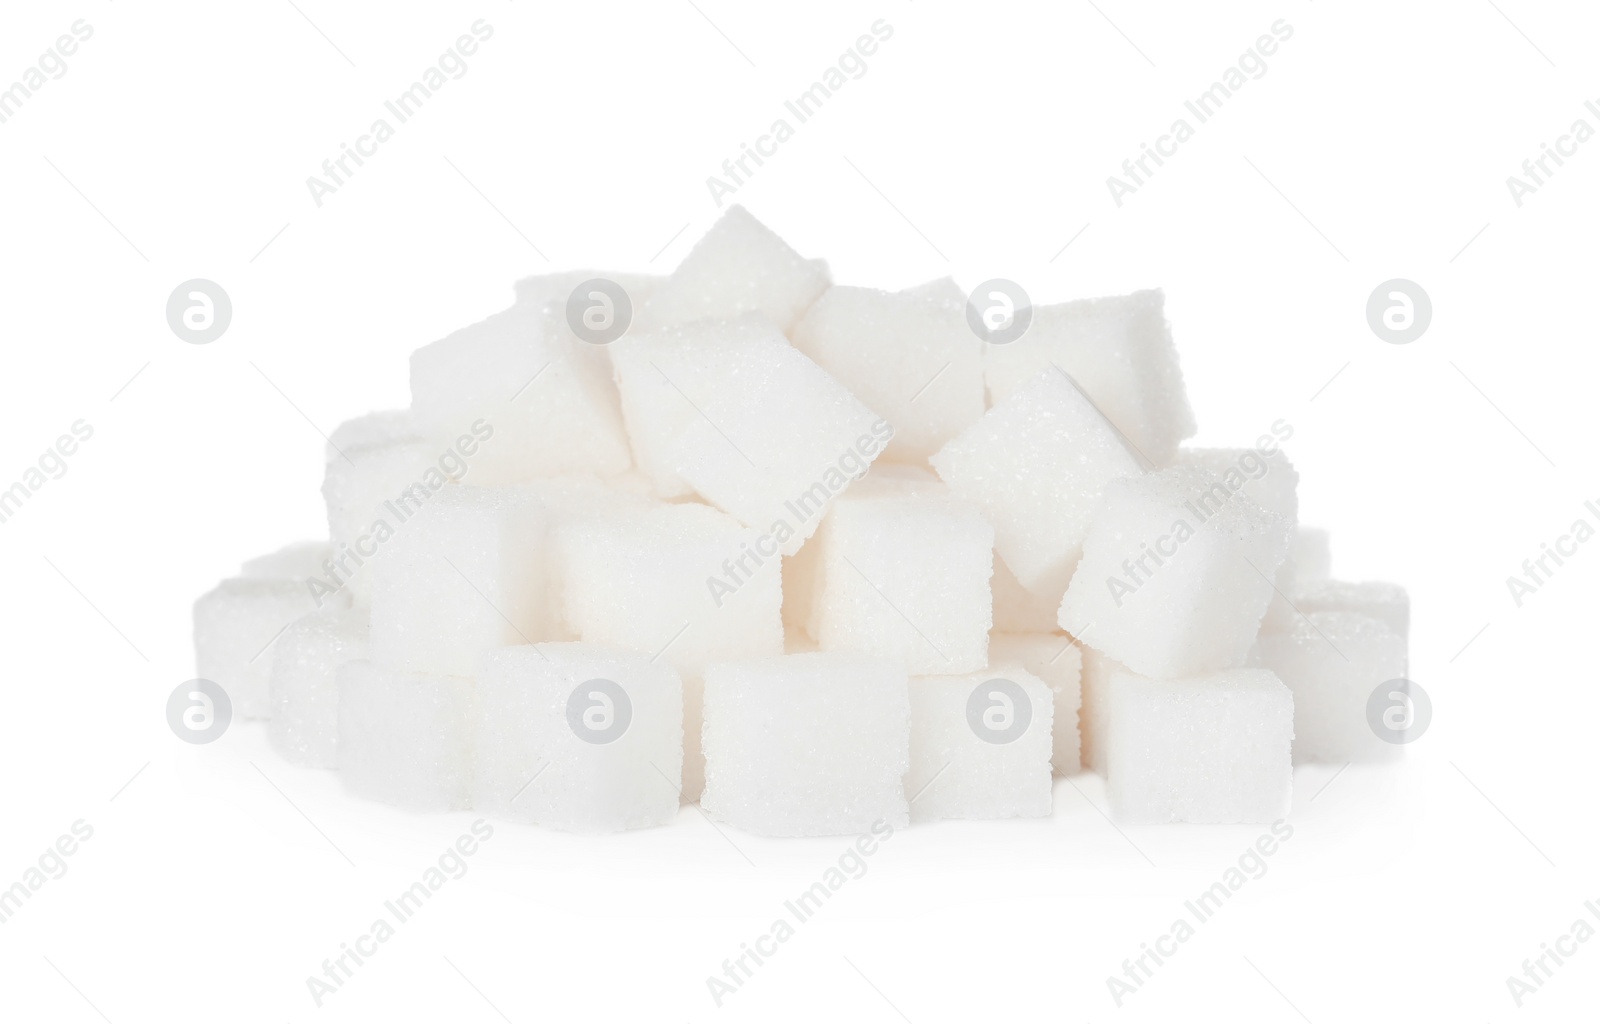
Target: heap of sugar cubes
(815, 556)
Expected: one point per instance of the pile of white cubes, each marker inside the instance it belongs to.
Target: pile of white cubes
(815, 556)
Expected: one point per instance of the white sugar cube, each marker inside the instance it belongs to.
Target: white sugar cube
(735, 412)
(544, 400)
(235, 624)
(1386, 602)
(1094, 719)
(1017, 609)
(682, 583)
(295, 562)
(807, 744)
(391, 426)
(1176, 574)
(1058, 661)
(304, 683)
(739, 266)
(1211, 748)
(1036, 466)
(369, 490)
(466, 573)
(912, 359)
(403, 737)
(579, 737)
(1119, 350)
(906, 576)
(1333, 661)
(980, 745)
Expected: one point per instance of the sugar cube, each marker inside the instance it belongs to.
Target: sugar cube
(1094, 718)
(980, 745)
(1036, 466)
(375, 429)
(466, 573)
(304, 683)
(1176, 574)
(1211, 748)
(579, 737)
(807, 744)
(403, 737)
(234, 625)
(912, 359)
(734, 412)
(1119, 350)
(1057, 660)
(739, 266)
(906, 576)
(544, 403)
(1333, 661)
(1386, 602)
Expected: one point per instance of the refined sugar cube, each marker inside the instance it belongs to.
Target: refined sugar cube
(1120, 351)
(370, 489)
(543, 399)
(1266, 476)
(466, 573)
(1176, 574)
(235, 624)
(739, 266)
(1017, 609)
(682, 583)
(1385, 602)
(403, 737)
(1333, 661)
(906, 576)
(1036, 466)
(807, 744)
(980, 745)
(912, 359)
(1211, 748)
(304, 683)
(295, 562)
(1094, 718)
(1058, 661)
(733, 411)
(375, 429)
(579, 737)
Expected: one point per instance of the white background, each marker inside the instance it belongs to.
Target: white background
(1376, 146)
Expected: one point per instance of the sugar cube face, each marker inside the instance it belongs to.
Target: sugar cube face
(1095, 717)
(907, 577)
(733, 411)
(1266, 477)
(1212, 748)
(403, 737)
(295, 562)
(980, 745)
(466, 573)
(543, 399)
(304, 683)
(1017, 609)
(1386, 602)
(579, 737)
(739, 266)
(234, 625)
(1119, 350)
(652, 579)
(912, 359)
(1058, 661)
(1036, 466)
(369, 491)
(1176, 574)
(807, 744)
(1333, 661)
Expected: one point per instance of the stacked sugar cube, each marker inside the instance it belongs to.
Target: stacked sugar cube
(815, 556)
